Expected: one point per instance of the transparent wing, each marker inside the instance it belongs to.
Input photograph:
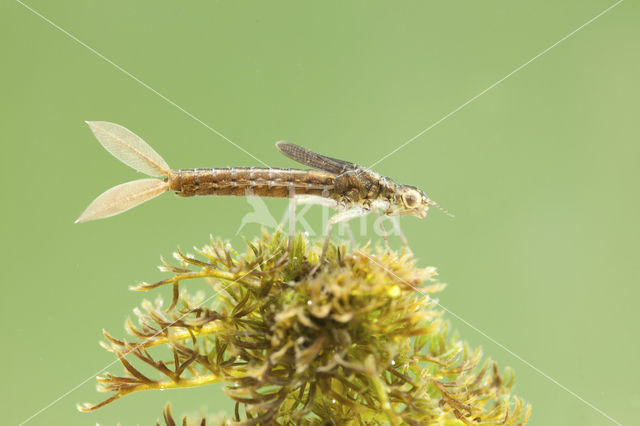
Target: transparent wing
(129, 148)
(122, 198)
(312, 159)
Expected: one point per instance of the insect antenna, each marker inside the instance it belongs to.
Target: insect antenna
(442, 209)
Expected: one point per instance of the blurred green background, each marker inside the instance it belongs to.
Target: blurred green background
(541, 172)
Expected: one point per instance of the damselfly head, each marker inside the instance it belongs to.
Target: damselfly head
(409, 200)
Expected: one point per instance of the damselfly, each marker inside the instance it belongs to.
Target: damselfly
(339, 184)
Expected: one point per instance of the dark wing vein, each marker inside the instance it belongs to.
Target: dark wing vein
(312, 159)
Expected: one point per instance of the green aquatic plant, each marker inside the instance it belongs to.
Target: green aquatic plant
(360, 341)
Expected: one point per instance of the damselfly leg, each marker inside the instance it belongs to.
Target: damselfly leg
(305, 199)
(396, 225)
(349, 232)
(337, 218)
(385, 234)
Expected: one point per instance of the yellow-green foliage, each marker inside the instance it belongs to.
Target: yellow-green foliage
(359, 341)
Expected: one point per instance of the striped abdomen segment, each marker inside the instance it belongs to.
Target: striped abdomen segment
(242, 181)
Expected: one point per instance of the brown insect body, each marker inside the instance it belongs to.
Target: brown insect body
(351, 188)
(349, 185)
(243, 181)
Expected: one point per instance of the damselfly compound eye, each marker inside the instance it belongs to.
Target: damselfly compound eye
(411, 198)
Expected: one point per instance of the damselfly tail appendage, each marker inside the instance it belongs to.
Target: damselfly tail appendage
(129, 148)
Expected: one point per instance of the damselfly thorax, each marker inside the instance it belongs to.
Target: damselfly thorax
(339, 184)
